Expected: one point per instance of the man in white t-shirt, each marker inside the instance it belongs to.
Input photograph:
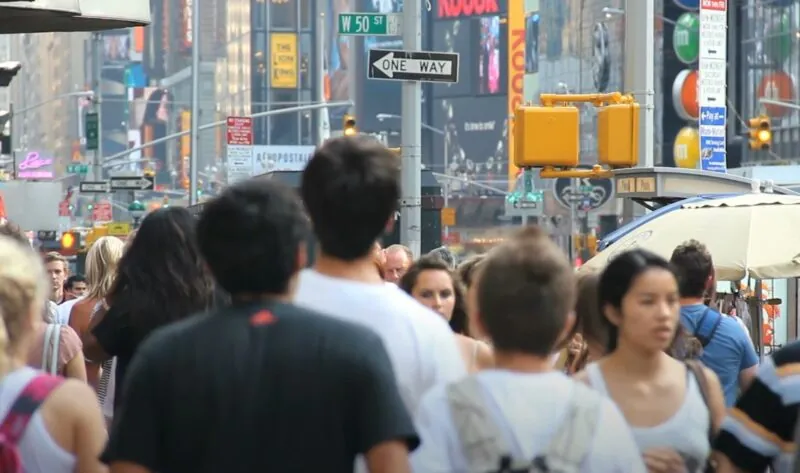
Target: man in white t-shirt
(523, 410)
(350, 188)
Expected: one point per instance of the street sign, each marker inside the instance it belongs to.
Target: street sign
(119, 229)
(448, 216)
(240, 131)
(712, 72)
(370, 24)
(102, 212)
(524, 204)
(94, 187)
(131, 183)
(77, 168)
(595, 192)
(422, 66)
(92, 131)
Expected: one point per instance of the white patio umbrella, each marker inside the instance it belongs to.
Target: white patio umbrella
(753, 234)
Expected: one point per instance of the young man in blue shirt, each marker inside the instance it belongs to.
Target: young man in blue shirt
(727, 349)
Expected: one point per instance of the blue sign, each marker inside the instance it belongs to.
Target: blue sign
(712, 153)
(712, 116)
(688, 4)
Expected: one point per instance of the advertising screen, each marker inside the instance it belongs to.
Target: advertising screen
(473, 147)
(455, 36)
(489, 53)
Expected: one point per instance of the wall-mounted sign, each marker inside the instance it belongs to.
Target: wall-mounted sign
(283, 55)
(686, 38)
(35, 167)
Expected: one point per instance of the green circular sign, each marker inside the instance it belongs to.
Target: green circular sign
(686, 38)
(779, 40)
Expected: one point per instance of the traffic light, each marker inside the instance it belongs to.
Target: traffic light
(618, 135)
(70, 241)
(349, 125)
(760, 133)
(546, 136)
(149, 172)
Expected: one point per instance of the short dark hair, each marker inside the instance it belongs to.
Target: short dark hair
(693, 265)
(250, 237)
(350, 189)
(74, 279)
(469, 268)
(526, 291)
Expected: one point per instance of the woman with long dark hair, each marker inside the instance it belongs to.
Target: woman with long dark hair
(673, 407)
(431, 281)
(160, 279)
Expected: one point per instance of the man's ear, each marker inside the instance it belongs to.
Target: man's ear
(302, 256)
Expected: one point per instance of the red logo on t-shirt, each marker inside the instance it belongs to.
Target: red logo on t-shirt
(263, 317)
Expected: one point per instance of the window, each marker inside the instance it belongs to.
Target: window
(260, 60)
(283, 14)
(306, 61)
(306, 14)
(259, 14)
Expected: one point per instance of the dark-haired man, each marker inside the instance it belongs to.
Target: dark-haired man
(259, 385)
(522, 299)
(727, 349)
(350, 189)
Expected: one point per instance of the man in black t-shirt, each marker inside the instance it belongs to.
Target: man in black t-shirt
(259, 385)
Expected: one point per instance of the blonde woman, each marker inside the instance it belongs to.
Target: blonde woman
(58, 427)
(101, 267)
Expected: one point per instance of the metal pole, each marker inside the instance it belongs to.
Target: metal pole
(573, 215)
(323, 125)
(446, 185)
(109, 162)
(13, 140)
(481, 185)
(411, 198)
(195, 123)
(97, 44)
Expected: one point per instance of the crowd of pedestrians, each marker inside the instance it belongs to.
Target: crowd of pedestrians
(211, 345)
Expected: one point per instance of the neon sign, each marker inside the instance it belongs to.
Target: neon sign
(31, 167)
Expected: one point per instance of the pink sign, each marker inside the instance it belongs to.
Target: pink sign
(31, 167)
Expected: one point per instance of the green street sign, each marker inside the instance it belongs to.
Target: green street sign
(92, 131)
(686, 38)
(370, 24)
(77, 168)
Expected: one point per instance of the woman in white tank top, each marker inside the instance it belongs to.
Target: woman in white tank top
(65, 434)
(662, 400)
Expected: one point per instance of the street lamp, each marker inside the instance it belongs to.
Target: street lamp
(137, 211)
(8, 70)
(611, 12)
(386, 116)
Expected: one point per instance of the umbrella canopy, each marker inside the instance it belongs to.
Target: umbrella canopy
(755, 234)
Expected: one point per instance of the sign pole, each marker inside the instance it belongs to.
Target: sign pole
(195, 119)
(411, 195)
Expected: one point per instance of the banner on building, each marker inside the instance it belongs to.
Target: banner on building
(516, 74)
(280, 158)
(283, 60)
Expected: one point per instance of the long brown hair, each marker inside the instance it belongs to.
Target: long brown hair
(458, 322)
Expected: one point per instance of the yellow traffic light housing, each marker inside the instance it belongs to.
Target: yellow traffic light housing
(70, 241)
(760, 133)
(546, 136)
(349, 126)
(618, 135)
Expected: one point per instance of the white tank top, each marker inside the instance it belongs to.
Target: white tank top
(686, 431)
(39, 452)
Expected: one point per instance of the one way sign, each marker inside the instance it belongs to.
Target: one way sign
(422, 66)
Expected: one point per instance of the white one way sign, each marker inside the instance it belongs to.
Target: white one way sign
(422, 66)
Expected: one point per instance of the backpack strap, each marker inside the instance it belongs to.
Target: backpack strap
(696, 369)
(25, 405)
(483, 444)
(573, 439)
(705, 340)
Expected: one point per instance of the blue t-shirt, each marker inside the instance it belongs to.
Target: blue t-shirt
(729, 351)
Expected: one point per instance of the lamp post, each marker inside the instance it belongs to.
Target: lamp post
(137, 211)
(384, 116)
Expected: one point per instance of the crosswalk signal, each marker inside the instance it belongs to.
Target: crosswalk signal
(349, 126)
(760, 133)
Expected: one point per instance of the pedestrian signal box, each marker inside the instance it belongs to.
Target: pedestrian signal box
(760, 133)
(546, 136)
(618, 135)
